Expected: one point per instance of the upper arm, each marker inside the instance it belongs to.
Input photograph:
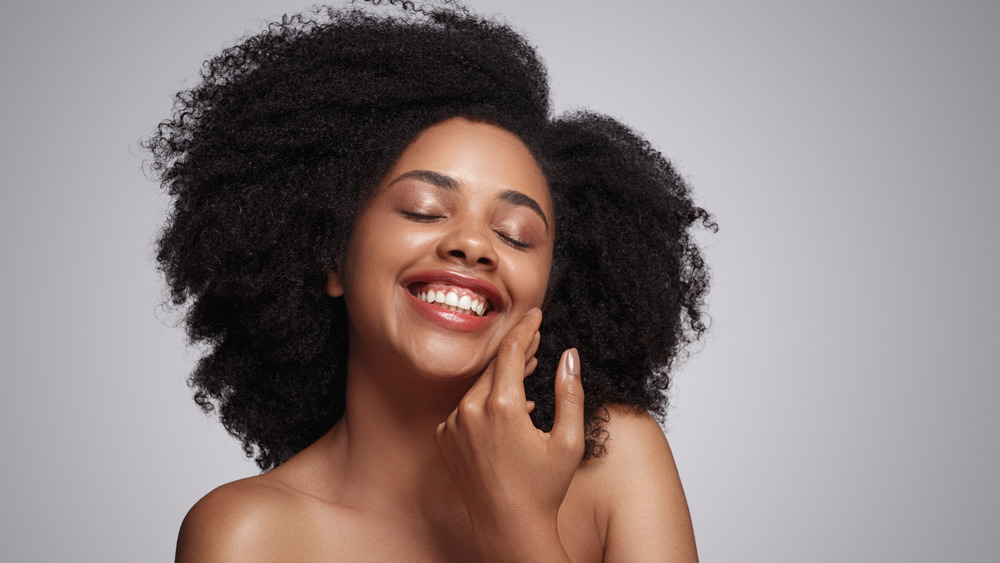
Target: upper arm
(236, 522)
(648, 518)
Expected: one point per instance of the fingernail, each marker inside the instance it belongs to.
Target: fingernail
(573, 362)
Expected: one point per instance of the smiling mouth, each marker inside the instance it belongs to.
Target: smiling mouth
(453, 298)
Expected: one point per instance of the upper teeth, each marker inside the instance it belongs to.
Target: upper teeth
(452, 301)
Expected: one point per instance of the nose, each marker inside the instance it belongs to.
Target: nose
(470, 245)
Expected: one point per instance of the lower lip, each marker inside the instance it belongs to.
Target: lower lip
(449, 319)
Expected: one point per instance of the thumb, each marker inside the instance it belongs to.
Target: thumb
(568, 424)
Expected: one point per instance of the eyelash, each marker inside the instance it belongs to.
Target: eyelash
(424, 218)
(514, 242)
(421, 217)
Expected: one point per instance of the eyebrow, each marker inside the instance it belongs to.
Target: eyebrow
(518, 198)
(434, 178)
(448, 183)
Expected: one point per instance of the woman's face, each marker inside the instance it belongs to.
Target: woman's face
(452, 250)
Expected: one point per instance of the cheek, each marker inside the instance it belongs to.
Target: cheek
(532, 280)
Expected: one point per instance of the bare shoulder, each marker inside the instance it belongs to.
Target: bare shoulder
(647, 513)
(628, 426)
(240, 521)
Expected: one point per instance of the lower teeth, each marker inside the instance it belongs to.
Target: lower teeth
(456, 309)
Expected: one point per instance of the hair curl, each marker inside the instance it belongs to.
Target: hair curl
(270, 158)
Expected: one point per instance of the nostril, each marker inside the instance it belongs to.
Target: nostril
(469, 250)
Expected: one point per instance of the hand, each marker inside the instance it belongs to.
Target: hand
(512, 476)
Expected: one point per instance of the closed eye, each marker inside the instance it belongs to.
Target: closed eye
(421, 217)
(512, 241)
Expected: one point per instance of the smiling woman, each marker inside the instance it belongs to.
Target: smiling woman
(438, 317)
(462, 239)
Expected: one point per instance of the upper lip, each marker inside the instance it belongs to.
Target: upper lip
(479, 285)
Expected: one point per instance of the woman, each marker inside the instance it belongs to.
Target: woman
(393, 254)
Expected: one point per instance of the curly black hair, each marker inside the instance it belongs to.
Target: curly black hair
(270, 158)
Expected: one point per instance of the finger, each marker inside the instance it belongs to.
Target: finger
(529, 367)
(508, 374)
(533, 347)
(567, 427)
(475, 398)
(532, 361)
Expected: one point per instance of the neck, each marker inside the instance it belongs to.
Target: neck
(384, 447)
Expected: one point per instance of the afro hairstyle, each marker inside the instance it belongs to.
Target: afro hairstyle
(269, 159)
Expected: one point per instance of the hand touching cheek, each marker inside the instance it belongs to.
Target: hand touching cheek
(512, 476)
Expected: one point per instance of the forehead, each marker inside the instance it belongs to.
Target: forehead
(479, 156)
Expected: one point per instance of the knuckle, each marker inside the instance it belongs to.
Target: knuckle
(572, 445)
(509, 345)
(574, 394)
(500, 403)
(469, 409)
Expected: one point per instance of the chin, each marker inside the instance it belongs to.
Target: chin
(443, 358)
(458, 369)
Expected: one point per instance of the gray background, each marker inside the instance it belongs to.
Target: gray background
(842, 408)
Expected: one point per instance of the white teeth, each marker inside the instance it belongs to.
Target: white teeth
(451, 301)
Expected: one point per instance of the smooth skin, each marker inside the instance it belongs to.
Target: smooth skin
(436, 458)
